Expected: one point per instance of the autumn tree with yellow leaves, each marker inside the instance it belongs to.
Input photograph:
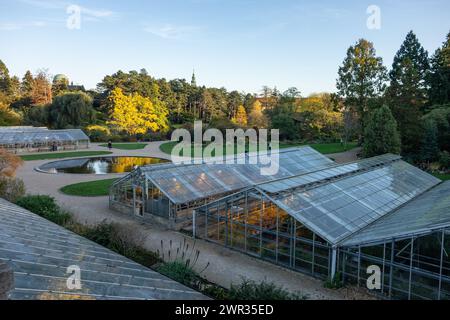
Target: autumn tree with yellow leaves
(241, 116)
(136, 114)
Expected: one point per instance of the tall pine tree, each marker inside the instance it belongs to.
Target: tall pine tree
(361, 79)
(407, 92)
(439, 79)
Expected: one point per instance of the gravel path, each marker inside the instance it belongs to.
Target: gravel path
(226, 266)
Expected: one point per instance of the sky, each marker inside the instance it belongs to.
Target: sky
(237, 44)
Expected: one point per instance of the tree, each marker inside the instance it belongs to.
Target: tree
(73, 109)
(136, 114)
(8, 117)
(381, 134)
(5, 80)
(286, 125)
(256, 117)
(407, 90)
(439, 79)
(241, 116)
(429, 151)
(41, 92)
(362, 78)
(27, 84)
(59, 85)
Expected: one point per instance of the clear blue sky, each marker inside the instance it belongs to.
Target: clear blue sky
(238, 44)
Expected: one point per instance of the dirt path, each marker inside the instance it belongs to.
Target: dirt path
(226, 266)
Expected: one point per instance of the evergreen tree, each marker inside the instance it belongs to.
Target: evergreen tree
(429, 151)
(381, 135)
(362, 78)
(407, 90)
(27, 84)
(439, 79)
(5, 80)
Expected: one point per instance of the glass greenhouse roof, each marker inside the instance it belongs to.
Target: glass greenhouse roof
(327, 174)
(426, 213)
(338, 208)
(189, 182)
(40, 135)
(40, 252)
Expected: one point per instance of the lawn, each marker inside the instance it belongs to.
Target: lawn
(442, 176)
(89, 189)
(126, 146)
(63, 155)
(324, 148)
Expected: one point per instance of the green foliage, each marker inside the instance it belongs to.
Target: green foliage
(46, 207)
(335, 283)
(444, 160)
(96, 188)
(37, 116)
(439, 78)
(361, 78)
(381, 135)
(72, 109)
(179, 272)
(127, 146)
(407, 91)
(250, 290)
(98, 133)
(440, 115)
(11, 189)
(286, 125)
(429, 151)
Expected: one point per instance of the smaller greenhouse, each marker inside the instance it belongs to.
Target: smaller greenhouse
(335, 222)
(30, 139)
(169, 192)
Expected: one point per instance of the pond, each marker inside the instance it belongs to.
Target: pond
(99, 165)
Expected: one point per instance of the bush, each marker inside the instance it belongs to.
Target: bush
(250, 290)
(98, 133)
(444, 160)
(11, 189)
(179, 272)
(46, 207)
(122, 239)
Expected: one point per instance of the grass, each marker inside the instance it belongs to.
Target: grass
(96, 188)
(63, 155)
(442, 176)
(324, 148)
(126, 146)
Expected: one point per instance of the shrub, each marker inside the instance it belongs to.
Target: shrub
(180, 272)
(334, 283)
(250, 290)
(46, 207)
(444, 160)
(98, 133)
(123, 240)
(9, 163)
(11, 189)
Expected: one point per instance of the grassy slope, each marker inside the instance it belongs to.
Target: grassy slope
(126, 146)
(89, 189)
(444, 177)
(325, 148)
(63, 155)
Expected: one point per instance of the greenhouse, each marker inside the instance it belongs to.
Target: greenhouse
(169, 192)
(335, 222)
(39, 139)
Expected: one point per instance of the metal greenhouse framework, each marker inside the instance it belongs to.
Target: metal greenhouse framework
(336, 222)
(32, 139)
(169, 192)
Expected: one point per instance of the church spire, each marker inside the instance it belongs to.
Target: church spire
(193, 81)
